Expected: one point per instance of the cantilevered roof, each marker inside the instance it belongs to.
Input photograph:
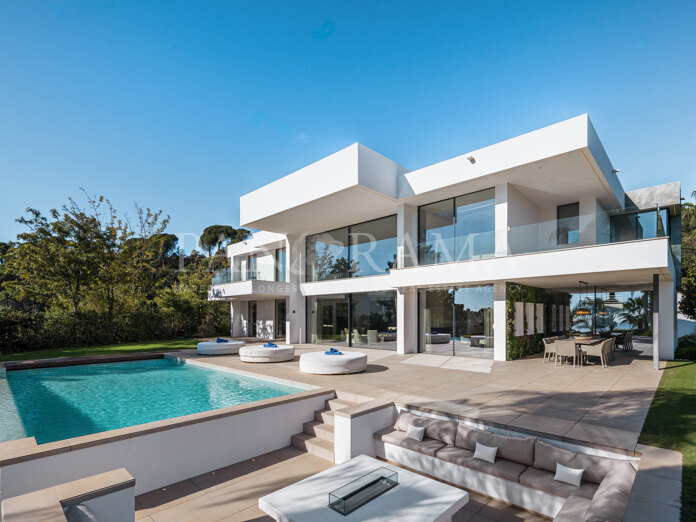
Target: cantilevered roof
(564, 161)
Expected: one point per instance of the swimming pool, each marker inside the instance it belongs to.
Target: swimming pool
(69, 401)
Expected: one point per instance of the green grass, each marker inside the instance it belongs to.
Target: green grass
(671, 424)
(152, 346)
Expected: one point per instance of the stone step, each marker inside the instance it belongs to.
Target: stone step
(325, 416)
(320, 430)
(314, 445)
(337, 404)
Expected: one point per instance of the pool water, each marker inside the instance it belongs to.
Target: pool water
(69, 401)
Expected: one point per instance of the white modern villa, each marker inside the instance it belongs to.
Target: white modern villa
(477, 255)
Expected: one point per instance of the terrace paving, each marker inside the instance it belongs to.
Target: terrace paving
(231, 493)
(592, 405)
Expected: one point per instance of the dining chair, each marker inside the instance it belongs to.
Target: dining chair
(566, 349)
(628, 341)
(549, 348)
(597, 350)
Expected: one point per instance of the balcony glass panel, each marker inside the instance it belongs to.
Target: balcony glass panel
(222, 276)
(373, 246)
(437, 233)
(474, 228)
(593, 229)
(327, 255)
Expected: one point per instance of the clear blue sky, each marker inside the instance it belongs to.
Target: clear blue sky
(185, 106)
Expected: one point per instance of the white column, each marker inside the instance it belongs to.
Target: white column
(589, 210)
(407, 320)
(235, 319)
(666, 320)
(407, 298)
(407, 235)
(295, 331)
(499, 323)
(501, 219)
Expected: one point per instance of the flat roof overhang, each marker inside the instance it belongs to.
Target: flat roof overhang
(558, 164)
(251, 289)
(616, 266)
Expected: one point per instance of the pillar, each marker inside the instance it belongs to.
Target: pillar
(407, 320)
(501, 219)
(407, 235)
(295, 325)
(665, 317)
(499, 322)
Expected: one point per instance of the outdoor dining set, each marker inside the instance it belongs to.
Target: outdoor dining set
(580, 348)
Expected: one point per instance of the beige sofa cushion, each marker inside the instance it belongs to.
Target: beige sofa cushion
(505, 469)
(610, 500)
(466, 437)
(454, 455)
(573, 510)
(596, 468)
(426, 446)
(546, 456)
(444, 431)
(405, 418)
(516, 449)
(543, 481)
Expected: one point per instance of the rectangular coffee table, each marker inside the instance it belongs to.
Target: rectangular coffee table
(415, 498)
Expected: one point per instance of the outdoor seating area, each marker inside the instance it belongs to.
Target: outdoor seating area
(579, 349)
(219, 347)
(522, 470)
(267, 353)
(333, 362)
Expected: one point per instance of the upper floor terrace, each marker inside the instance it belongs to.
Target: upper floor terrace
(357, 213)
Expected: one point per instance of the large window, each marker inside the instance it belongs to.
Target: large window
(458, 229)
(281, 266)
(360, 250)
(327, 320)
(643, 224)
(568, 224)
(457, 321)
(367, 320)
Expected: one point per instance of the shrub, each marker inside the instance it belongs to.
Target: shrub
(686, 347)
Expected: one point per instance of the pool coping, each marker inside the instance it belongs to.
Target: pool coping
(12, 452)
(29, 364)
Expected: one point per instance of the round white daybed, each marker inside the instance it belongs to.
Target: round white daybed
(215, 348)
(267, 354)
(323, 364)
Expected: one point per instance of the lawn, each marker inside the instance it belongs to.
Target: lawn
(671, 424)
(152, 346)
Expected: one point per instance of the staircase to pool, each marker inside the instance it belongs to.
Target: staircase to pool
(317, 436)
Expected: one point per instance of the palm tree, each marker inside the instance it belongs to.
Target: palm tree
(635, 312)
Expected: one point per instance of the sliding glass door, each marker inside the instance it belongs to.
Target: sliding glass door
(365, 320)
(457, 321)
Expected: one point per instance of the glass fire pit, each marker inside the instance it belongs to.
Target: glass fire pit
(359, 492)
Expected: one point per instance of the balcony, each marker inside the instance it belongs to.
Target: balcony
(228, 284)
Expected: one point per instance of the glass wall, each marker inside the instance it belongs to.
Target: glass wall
(327, 255)
(644, 224)
(374, 320)
(457, 321)
(281, 266)
(568, 224)
(373, 246)
(327, 320)
(367, 320)
(359, 250)
(458, 229)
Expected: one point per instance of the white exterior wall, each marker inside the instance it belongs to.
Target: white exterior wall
(265, 266)
(165, 457)
(531, 174)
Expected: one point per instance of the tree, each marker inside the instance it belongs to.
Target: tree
(635, 312)
(215, 236)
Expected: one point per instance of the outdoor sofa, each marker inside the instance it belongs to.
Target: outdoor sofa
(523, 471)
